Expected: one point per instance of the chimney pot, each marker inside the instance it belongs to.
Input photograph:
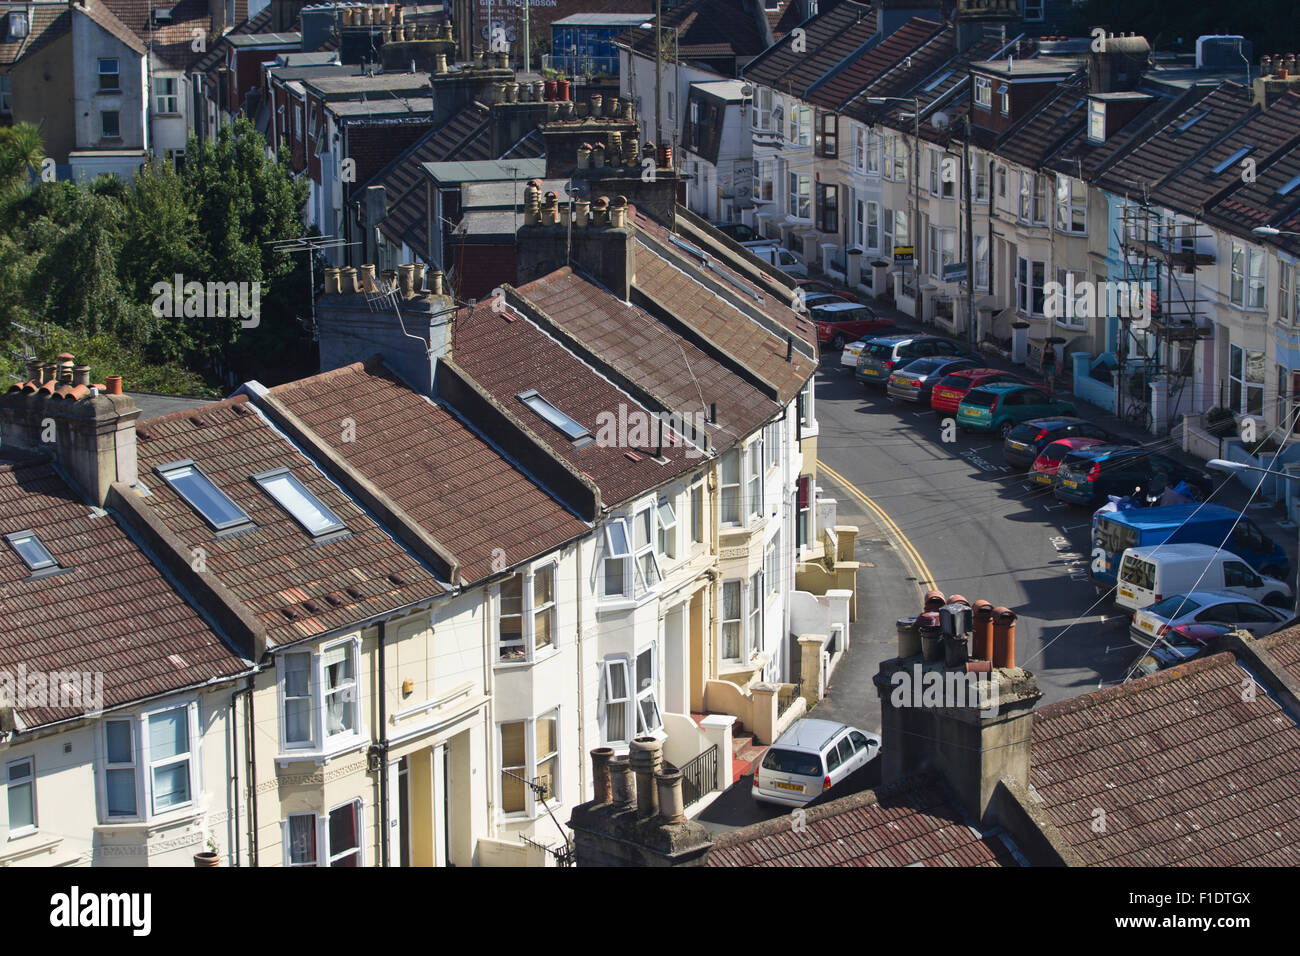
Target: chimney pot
(1004, 637)
(600, 774)
(351, 284)
(368, 283)
(646, 758)
(406, 280)
(114, 385)
(435, 282)
(81, 375)
(622, 783)
(671, 804)
(934, 600)
(49, 372)
(418, 278)
(333, 286)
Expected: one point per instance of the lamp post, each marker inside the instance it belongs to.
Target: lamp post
(914, 224)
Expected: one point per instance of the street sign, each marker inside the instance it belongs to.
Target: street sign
(954, 271)
(903, 254)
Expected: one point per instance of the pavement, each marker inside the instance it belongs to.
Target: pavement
(977, 529)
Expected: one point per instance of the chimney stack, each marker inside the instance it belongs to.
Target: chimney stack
(600, 774)
(646, 758)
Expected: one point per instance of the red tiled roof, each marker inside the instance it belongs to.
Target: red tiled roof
(47, 22)
(829, 37)
(668, 277)
(681, 376)
(909, 822)
(294, 585)
(573, 387)
(451, 482)
(836, 89)
(1186, 772)
(1053, 122)
(113, 613)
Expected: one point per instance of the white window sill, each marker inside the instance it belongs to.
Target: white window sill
(23, 832)
(186, 814)
(344, 746)
(626, 603)
(544, 655)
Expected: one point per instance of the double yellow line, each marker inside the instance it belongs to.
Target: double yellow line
(924, 579)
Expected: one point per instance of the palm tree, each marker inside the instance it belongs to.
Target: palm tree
(21, 151)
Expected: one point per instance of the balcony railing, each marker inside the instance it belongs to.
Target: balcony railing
(699, 776)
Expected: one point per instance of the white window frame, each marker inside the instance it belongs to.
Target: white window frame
(1245, 385)
(615, 552)
(647, 693)
(764, 180)
(143, 767)
(1027, 293)
(1249, 288)
(734, 455)
(166, 99)
(667, 533)
(799, 196)
(330, 856)
(115, 72)
(737, 622)
(1069, 206)
(695, 495)
(942, 249)
(983, 91)
(1068, 316)
(771, 566)
(641, 552)
(528, 611)
(763, 110)
(322, 743)
(1096, 122)
(286, 840)
(860, 135)
(872, 236)
(801, 120)
(529, 769)
(979, 173)
(753, 478)
(608, 702)
(875, 147)
(30, 783)
(754, 613)
(981, 261)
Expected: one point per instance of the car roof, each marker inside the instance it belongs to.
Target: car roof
(979, 372)
(808, 733)
(889, 339)
(1165, 516)
(1105, 451)
(1056, 421)
(1205, 552)
(1214, 597)
(839, 306)
(1001, 388)
(1075, 442)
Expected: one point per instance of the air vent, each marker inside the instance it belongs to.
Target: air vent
(397, 579)
(290, 613)
(355, 594)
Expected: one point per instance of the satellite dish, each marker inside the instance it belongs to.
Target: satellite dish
(747, 91)
(576, 189)
(940, 120)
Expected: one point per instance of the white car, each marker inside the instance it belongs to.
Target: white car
(1204, 607)
(810, 758)
(849, 357)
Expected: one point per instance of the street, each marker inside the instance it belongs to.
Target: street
(957, 519)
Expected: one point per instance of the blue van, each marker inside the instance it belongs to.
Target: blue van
(1113, 531)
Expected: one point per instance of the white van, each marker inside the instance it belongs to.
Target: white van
(1151, 574)
(783, 259)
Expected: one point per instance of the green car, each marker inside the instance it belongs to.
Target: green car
(1000, 408)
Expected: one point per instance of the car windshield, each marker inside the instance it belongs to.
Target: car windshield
(1026, 432)
(840, 315)
(924, 366)
(982, 399)
(1176, 606)
(793, 761)
(1055, 452)
(954, 381)
(882, 351)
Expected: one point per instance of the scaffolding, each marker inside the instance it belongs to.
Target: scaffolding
(1161, 260)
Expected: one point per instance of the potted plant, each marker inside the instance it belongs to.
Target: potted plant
(209, 857)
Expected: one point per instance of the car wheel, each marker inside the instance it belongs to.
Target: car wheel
(837, 343)
(1276, 599)
(1004, 430)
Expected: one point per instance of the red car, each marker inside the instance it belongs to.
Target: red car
(1043, 470)
(817, 285)
(841, 322)
(951, 389)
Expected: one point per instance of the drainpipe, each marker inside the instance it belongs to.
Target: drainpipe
(582, 705)
(234, 767)
(384, 840)
(250, 749)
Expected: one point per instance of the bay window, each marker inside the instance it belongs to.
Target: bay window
(344, 830)
(1068, 313)
(827, 142)
(1245, 381)
(874, 147)
(828, 208)
(772, 565)
(667, 529)
(980, 177)
(1071, 205)
(526, 614)
(764, 180)
(148, 765)
(1029, 285)
(617, 572)
(981, 262)
(320, 705)
(629, 698)
(732, 619)
(799, 198)
(339, 833)
(801, 120)
(643, 545)
(1247, 265)
(647, 701)
(754, 479)
(859, 148)
(942, 250)
(1284, 301)
(697, 513)
(529, 752)
(763, 109)
(755, 609)
(983, 91)
(729, 487)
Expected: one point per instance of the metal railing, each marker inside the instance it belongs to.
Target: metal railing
(700, 776)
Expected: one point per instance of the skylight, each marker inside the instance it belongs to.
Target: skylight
(203, 496)
(553, 416)
(1232, 159)
(1286, 189)
(1183, 128)
(935, 82)
(35, 555)
(304, 507)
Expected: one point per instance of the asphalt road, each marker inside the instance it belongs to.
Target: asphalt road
(951, 515)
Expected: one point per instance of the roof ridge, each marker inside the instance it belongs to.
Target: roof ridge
(1132, 688)
(229, 402)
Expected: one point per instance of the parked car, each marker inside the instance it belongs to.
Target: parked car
(782, 259)
(818, 285)
(999, 408)
(915, 381)
(810, 758)
(881, 355)
(1089, 475)
(1182, 643)
(1147, 574)
(737, 231)
(952, 388)
(849, 356)
(1024, 442)
(810, 299)
(841, 322)
(1043, 470)
(1203, 607)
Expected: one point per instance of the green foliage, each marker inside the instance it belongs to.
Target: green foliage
(85, 262)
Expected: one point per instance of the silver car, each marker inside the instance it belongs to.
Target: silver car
(809, 758)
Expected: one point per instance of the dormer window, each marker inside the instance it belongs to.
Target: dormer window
(983, 92)
(32, 550)
(16, 26)
(1004, 94)
(1096, 122)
